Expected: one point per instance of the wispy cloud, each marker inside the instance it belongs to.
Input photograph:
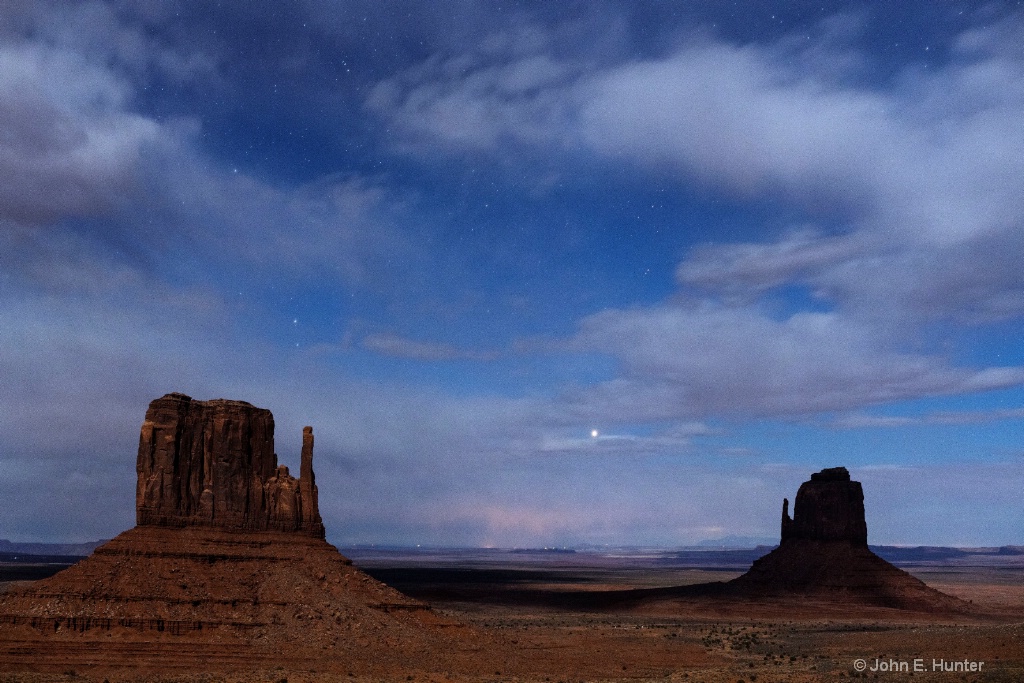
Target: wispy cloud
(706, 360)
(401, 347)
(746, 270)
(964, 417)
(673, 441)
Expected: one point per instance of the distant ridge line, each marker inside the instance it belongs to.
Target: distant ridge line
(889, 552)
(63, 549)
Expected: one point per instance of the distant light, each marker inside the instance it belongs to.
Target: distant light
(594, 433)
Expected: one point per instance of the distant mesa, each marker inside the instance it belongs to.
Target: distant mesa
(824, 553)
(227, 567)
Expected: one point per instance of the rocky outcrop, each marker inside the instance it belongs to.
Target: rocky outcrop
(227, 568)
(212, 463)
(823, 554)
(829, 507)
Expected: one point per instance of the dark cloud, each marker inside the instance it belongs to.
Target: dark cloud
(70, 147)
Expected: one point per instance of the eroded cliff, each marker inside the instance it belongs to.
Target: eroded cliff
(212, 463)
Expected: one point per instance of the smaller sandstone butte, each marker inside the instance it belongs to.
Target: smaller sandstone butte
(824, 554)
(212, 463)
(829, 507)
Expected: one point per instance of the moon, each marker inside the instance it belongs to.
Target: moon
(594, 433)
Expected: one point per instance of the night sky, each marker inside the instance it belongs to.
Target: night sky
(537, 273)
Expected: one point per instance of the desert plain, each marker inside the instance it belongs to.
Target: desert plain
(610, 615)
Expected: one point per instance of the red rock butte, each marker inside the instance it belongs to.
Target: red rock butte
(212, 463)
(227, 568)
(829, 507)
(823, 553)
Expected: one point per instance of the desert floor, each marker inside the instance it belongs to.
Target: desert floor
(543, 617)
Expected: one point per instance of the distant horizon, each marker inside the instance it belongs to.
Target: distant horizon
(709, 545)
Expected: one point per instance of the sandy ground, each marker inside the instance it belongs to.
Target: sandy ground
(678, 640)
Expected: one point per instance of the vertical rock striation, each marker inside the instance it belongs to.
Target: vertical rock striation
(212, 463)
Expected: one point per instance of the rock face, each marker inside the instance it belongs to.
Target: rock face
(829, 507)
(824, 554)
(212, 463)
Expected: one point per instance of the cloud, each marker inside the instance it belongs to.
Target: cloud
(400, 347)
(139, 41)
(127, 242)
(70, 146)
(936, 169)
(339, 228)
(83, 160)
(133, 262)
(933, 157)
(576, 499)
(76, 364)
(507, 90)
(673, 441)
(472, 111)
(55, 501)
(748, 270)
(73, 80)
(961, 417)
(921, 174)
(682, 362)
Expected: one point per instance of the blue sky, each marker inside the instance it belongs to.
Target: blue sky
(739, 241)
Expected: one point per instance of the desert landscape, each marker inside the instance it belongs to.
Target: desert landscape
(605, 340)
(226, 577)
(532, 616)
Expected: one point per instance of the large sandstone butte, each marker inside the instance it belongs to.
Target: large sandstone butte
(227, 568)
(212, 463)
(823, 553)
